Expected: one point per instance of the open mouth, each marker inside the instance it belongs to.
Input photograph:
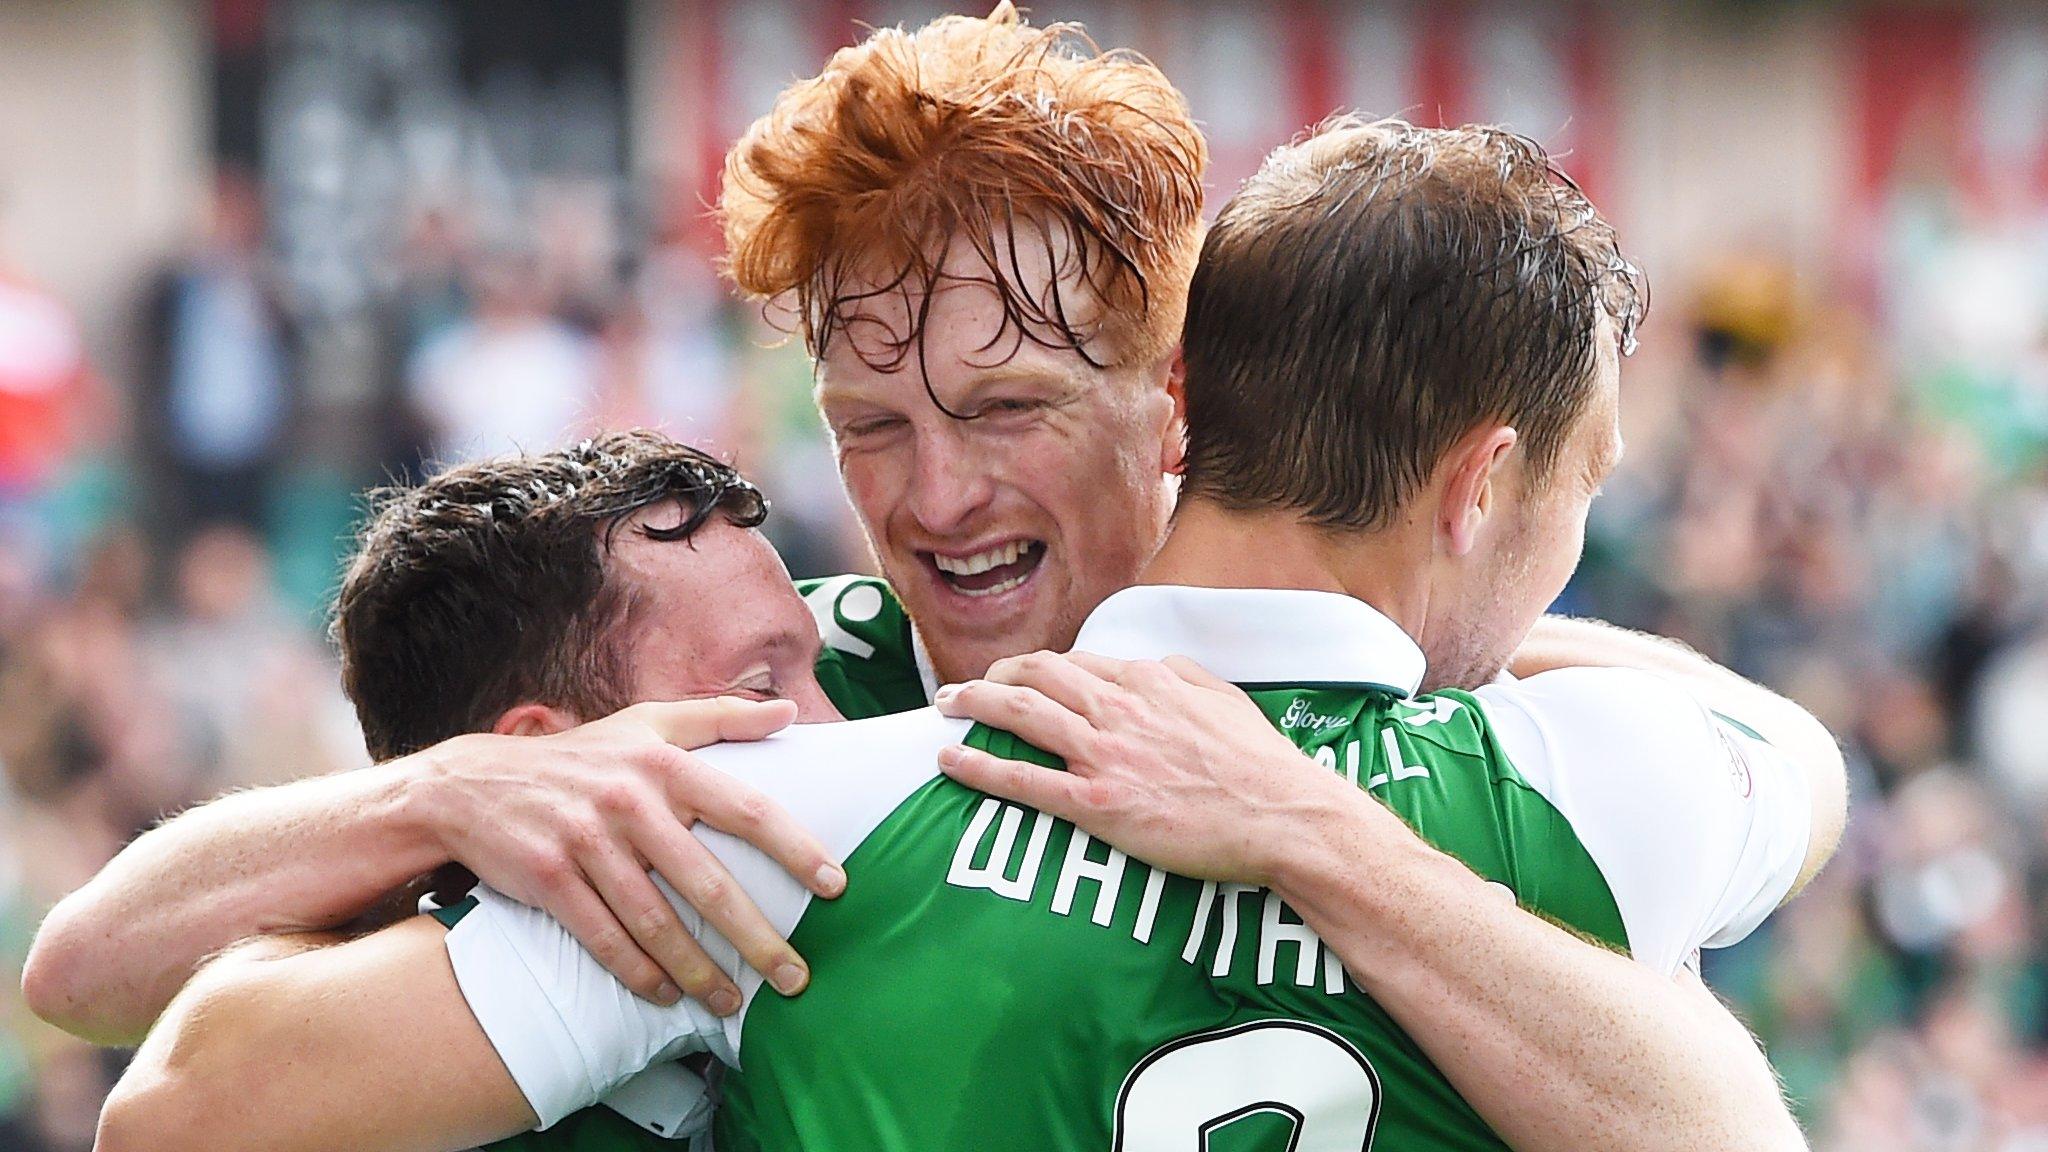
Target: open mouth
(991, 571)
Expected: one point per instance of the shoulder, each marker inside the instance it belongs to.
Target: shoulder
(1584, 717)
(839, 780)
(1698, 826)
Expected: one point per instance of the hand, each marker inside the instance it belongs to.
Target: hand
(1165, 761)
(571, 823)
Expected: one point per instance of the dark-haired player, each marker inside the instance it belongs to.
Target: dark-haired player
(1005, 410)
(999, 979)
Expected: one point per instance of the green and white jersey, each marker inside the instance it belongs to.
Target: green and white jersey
(995, 979)
(873, 663)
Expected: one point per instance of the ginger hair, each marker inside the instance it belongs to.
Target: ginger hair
(987, 133)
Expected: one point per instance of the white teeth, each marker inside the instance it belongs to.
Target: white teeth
(1005, 586)
(981, 561)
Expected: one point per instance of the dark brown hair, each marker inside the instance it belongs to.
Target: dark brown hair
(486, 587)
(986, 133)
(1374, 292)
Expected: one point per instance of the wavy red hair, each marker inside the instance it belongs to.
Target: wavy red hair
(983, 132)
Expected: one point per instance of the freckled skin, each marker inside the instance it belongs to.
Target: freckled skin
(1058, 451)
(675, 650)
(1542, 533)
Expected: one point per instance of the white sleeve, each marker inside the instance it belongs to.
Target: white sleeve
(1698, 827)
(568, 1031)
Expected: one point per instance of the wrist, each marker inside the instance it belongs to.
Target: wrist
(1326, 828)
(425, 809)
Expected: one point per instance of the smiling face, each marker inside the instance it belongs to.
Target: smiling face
(1004, 523)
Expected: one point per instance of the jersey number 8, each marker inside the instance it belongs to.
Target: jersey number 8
(1184, 1091)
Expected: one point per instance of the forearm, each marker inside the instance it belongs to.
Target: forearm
(1558, 1043)
(307, 855)
(293, 1046)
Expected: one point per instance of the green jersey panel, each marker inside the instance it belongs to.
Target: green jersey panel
(869, 666)
(1151, 998)
(996, 979)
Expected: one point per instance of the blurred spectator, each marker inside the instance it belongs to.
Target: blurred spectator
(215, 406)
(46, 388)
(514, 376)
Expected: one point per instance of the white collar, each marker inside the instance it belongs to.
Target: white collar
(1258, 635)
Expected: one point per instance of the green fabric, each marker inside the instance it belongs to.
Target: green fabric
(869, 666)
(967, 996)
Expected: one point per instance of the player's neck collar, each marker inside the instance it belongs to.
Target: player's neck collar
(1257, 636)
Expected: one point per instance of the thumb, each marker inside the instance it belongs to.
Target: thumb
(695, 723)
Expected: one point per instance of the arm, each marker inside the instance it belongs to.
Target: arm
(1562, 642)
(290, 1047)
(1559, 1044)
(565, 822)
(292, 858)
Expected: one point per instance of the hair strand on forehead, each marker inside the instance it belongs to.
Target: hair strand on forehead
(917, 152)
(486, 586)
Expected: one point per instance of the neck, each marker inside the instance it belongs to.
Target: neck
(1209, 546)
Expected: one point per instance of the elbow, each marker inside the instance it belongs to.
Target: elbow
(155, 1113)
(52, 983)
(60, 983)
(189, 1087)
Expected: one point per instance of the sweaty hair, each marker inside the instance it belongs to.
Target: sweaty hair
(486, 586)
(1376, 291)
(988, 137)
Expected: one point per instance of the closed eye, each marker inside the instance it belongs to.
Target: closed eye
(870, 426)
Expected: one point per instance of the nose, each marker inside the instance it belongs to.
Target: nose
(950, 481)
(812, 705)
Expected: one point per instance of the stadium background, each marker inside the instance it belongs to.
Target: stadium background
(255, 255)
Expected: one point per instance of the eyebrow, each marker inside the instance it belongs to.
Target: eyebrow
(994, 376)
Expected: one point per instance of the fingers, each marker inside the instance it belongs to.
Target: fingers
(748, 813)
(1047, 789)
(702, 881)
(1199, 676)
(1025, 712)
(695, 723)
(588, 918)
(1061, 679)
(654, 928)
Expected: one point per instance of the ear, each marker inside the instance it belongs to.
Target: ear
(1471, 469)
(533, 720)
(1173, 444)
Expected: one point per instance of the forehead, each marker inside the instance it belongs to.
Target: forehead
(687, 589)
(991, 303)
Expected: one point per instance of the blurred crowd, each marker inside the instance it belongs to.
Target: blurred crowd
(1819, 490)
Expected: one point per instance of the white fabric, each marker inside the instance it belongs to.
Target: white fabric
(665, 1099)
(568, 1031)
(1699, 829)
(1646, 777)
(1257, 635)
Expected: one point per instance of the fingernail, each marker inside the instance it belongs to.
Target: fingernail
(789, 979)
(725, 1002)
(945, 693)
(951, 755)
(831, 879)
(668, 993)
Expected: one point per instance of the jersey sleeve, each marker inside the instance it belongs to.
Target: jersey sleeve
(568, 1031)
(1698, 826)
